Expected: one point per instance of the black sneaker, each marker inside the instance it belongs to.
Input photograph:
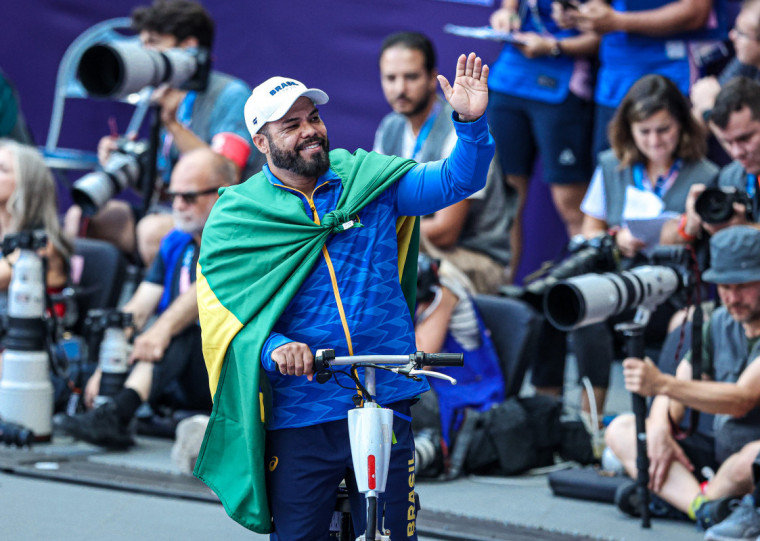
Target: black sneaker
(627, 500)
(99, 426)
(713, 512)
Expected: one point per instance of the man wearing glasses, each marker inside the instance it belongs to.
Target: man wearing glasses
(745, 37)
(167, 363)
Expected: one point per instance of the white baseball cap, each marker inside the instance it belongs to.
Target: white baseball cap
(273, 98)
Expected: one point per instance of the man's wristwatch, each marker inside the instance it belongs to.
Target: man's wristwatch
(555, 50)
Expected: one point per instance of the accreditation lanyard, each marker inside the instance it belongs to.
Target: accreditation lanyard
(425, 131)
(184, 117)
(536, 15)
(751, 185)
(662, 184)
(752, 192)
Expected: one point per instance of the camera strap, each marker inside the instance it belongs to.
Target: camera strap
(697, 357)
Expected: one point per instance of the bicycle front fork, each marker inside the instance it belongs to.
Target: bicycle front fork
(370, 430)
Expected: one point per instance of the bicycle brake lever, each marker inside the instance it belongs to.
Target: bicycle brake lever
(433, 374)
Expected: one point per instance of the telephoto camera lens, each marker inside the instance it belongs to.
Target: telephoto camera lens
(116, 70)
(124, 169)
(106, 334)
(592, 298)
(26, 392)
(428, 453)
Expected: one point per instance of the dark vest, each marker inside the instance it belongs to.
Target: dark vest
(730, 357)
(616, 181)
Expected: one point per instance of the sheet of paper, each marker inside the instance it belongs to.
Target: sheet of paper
(648, 229)
(641, 204)
(644, 215)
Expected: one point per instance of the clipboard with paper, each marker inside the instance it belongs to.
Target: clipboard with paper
(482, 32)
(644, 216)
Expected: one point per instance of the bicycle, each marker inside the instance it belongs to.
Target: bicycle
(370, 426)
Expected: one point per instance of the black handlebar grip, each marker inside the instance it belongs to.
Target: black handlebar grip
(442, 359)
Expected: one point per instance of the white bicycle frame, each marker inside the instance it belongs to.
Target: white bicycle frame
(370, 431)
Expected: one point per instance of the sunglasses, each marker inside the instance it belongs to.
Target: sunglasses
(191, 197)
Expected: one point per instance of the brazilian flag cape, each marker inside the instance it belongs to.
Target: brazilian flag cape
(258, 248)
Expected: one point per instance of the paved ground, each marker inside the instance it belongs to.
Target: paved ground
(39, 509)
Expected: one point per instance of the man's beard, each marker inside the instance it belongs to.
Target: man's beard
(291, 160)
(188, 224)
(421, 105)
(751, 315)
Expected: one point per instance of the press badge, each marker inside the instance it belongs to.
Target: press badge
(547, 82)
(675, 50)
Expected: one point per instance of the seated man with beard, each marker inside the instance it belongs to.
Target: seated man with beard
(167, 363)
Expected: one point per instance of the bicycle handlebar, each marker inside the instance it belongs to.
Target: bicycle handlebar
(438, 359)
(326, 358)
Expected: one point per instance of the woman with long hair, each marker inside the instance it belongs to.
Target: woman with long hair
(28, 202)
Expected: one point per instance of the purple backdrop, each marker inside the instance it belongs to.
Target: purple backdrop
(331, 44)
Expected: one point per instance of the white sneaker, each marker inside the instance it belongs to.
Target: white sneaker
(187, 444)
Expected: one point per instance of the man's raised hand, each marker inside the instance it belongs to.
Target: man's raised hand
(469, 94)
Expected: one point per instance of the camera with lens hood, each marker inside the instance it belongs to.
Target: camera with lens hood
(107, 343)
(117, 69)
(127, 167)
(716, 205)
(592, 298)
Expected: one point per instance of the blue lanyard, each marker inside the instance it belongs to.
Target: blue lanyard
(185, 109)
(184, 117)
(751, 185)
(661, 184)
(425, 131)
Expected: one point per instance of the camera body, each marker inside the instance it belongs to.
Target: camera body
(597, 254)
(716, 205)
(427, 277)
(127, 167)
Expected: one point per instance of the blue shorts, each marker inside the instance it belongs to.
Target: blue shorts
(306, 465)
(559, 133)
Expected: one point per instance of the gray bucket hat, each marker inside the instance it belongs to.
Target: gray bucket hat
(734, 256)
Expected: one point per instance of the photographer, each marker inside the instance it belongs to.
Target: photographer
(735, 121)
(729, 389)
(190, 119)
(168, 364)
(28, 202)
(446, 321)
(657, 154)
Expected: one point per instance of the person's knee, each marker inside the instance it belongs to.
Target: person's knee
(519, 183)
(621, 434)
(567, 200)
(114, 223)
(150, 231)
(739, 465)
